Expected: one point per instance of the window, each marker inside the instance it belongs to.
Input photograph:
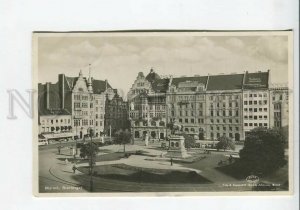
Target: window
(265, 102)
(260, 124)
(246, 117)
(236, 120)
(230, 128)
(255, 109)
(265, 109)
(260, 109)
(230, 120)
(265, 117)
(255, 124)
(237, 113)
(245, 109)
(192, 121)
(255, 117)
(224, 120)
(211, 128)
(180, 120)
(236, 128)
(212, 121)
(250, 124)
(250, 117)
(224, 113)
(224, 128)
(246, 124)
(245, 102)
(255, 102)
(186, 120)
(211, 113)
(250, 95)
(250, 102)
(218, 128)
(265, 124)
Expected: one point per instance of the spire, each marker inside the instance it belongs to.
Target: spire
(80, 73)
(90, 85)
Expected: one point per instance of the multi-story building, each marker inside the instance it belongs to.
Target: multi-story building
(147, 106)
(279, 105)
(81, 99)
(186, 104)
(224, 105)
(116, 114)
(208, 107)
(256, 101)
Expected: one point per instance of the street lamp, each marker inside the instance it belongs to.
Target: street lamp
(91, 160)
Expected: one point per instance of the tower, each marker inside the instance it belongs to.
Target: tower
(90, 85)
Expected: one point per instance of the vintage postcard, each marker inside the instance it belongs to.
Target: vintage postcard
(155, 113)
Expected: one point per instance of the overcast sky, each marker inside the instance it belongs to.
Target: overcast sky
(120, 58)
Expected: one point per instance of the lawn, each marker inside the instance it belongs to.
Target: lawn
(133, 174)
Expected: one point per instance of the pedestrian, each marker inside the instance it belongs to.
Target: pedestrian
(66, 161)
(58, 148)
(171, 161)
(74, 169)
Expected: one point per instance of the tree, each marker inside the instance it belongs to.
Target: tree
(123, 137)
(263, 151)
(225, 143)
(189, 141)
(89, 150)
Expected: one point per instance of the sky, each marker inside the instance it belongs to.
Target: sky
(119, 58)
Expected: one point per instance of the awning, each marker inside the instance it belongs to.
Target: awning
(57, 135)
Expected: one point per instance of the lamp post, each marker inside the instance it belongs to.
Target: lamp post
(91, 161)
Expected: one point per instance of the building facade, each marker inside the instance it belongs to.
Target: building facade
(81, 99)
(147, 106)
(212, 106)
(279, 106)
(116, 114)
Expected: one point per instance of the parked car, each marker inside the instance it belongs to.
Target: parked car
(43, 142)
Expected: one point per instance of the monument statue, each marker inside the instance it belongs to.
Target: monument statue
(176, 141)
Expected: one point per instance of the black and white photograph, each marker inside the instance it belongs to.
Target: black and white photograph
(163, 113)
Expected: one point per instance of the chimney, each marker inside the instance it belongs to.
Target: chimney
(105, 84)
(61, 80)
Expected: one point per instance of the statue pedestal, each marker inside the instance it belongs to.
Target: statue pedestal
(177, 149)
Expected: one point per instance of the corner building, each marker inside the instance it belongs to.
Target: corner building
(78, 100)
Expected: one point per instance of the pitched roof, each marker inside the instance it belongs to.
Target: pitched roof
(152, 76)
(225, 82)
(99, 86)
(256, 80)
(200, 79)
(160, 85)
(55, 100)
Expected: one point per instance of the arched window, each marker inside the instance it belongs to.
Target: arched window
(186, 129)
(153, 123)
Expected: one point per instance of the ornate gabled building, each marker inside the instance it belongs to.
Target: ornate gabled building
(116, 114)
(147, 106)
(80, 100)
